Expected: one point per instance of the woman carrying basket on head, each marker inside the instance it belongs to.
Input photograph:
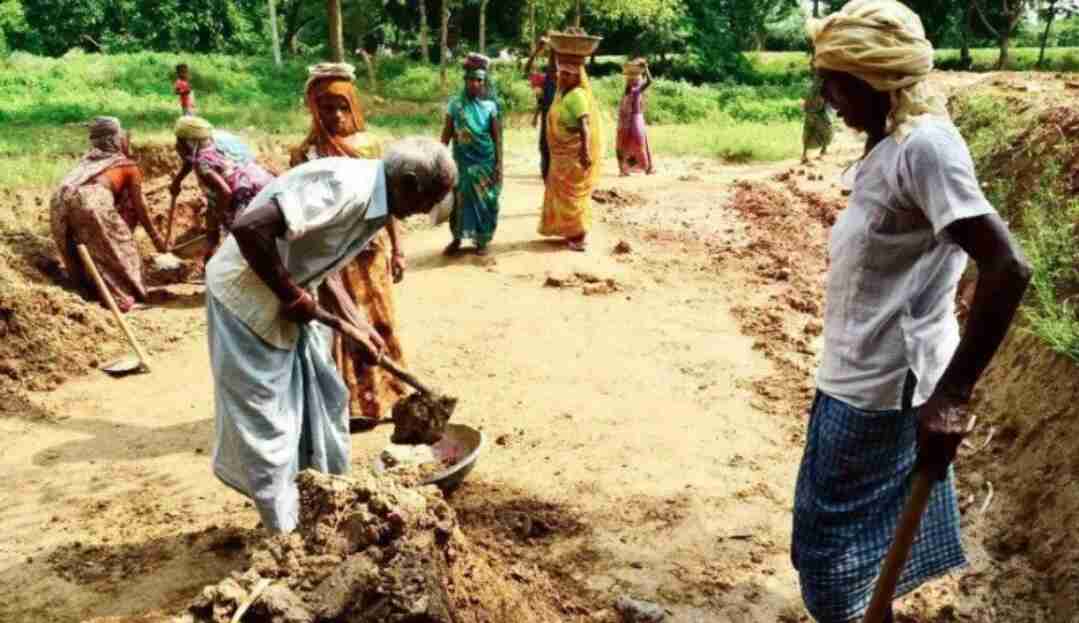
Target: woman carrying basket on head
(575, 138)
(634, 153)
(338, 129)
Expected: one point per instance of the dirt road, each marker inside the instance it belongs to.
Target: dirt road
(638, 407)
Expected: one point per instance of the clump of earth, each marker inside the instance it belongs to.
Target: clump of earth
(369, 548)
(420, 419)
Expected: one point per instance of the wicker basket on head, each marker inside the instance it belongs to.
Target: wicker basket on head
(574, 43)
(633, 69)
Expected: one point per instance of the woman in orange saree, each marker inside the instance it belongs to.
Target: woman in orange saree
(338, 130)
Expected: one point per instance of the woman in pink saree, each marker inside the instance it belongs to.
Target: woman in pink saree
(634, 154)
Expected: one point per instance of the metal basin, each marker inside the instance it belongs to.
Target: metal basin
(461, 444)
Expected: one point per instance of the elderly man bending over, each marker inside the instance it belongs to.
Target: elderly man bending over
(281, 405)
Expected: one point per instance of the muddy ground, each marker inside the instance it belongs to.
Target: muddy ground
(643, 403)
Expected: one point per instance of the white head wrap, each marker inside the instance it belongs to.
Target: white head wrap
(883, 43)
(343, 71)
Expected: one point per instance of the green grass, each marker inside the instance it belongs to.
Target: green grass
(1021, 160)
(774, 66)
(44, 102)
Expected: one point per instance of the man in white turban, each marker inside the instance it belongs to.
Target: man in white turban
(895, 378)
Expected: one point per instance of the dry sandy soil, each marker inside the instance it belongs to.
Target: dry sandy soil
(643, 404)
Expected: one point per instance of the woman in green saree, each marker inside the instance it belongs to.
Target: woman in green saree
(472, 124)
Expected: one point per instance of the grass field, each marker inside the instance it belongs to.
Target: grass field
(44, 102)
(779, 64)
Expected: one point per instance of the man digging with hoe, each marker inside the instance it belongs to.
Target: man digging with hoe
(281, 405)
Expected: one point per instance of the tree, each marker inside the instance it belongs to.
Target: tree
(424, 46)
(443, 59)
(713, 45)
(298, 14)
(273, 33)
(1053, 10)
(1011, 12)
(337, 43)
(483, 26)
(748, 20)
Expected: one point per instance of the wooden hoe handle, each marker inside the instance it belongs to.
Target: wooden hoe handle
(107, 296)
(896, 559)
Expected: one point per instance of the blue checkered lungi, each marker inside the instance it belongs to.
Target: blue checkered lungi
(854, 480)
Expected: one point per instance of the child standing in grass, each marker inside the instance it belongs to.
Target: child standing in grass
(182, 87)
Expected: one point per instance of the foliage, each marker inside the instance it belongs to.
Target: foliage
(1067, 33)
(776, 67)
(128, 25)
(1022, 161)
(1019, 59)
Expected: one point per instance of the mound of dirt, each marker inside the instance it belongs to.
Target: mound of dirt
(51, 330)
(590, 284)
(787, 227)
(421, 419)
(370, 549)
(1024, 453)
(616, 198)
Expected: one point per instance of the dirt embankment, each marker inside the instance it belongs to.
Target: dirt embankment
(369, 549)
(50, 330)
(1017, 474)
(1018, 477)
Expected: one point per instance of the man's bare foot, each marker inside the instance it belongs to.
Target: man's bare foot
(483, 250)
(577, 244)
(453, 249)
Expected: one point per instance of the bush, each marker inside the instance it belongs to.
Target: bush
(1024, 154)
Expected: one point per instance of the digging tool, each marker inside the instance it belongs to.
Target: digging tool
(191, 246)
(168, 229)
(909, 522)
(256, 592)
(896, 559)
(404, 376)
(124, 365)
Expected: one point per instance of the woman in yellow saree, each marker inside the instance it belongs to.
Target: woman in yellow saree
(575, 135)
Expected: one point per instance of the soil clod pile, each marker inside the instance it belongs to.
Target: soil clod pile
(370, 549)
(420, 419)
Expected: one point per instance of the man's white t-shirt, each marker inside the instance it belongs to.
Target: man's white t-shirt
(893, 270)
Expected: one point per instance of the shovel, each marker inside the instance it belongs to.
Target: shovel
(130, 363)
(909, 522)
(168, 229)
(404, 376)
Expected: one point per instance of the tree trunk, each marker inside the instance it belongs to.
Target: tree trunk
(532, 22)
(483, 26)
(965, 59)
(445, 44)
(1052, 11)
(1002, 60)
(425, 47)
(273, 34)
(372, 70)
(337, 43)
(816, 8)
(578, 23)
